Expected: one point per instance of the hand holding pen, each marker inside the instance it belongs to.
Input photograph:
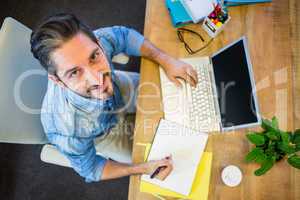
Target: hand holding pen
(162, 168)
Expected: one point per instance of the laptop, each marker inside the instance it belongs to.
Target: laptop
(225, 96)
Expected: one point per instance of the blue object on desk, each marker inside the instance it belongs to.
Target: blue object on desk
(243, 2)
(178, 14)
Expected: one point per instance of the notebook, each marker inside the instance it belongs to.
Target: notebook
(198, 9)
(186, 147)
(200, 186)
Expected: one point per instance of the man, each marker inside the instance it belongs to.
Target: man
(84, 102)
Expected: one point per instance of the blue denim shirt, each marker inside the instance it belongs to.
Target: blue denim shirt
(71, 122)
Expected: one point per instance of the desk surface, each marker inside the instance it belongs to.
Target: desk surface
(268, 30)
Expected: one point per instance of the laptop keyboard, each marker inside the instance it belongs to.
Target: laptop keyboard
(202, 112)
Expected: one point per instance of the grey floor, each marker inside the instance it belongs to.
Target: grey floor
(22, 175)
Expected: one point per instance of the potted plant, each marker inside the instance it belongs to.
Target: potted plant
(272, 145)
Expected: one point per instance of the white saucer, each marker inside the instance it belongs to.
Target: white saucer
(231, 176)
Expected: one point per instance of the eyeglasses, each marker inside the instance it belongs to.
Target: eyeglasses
(180, 34)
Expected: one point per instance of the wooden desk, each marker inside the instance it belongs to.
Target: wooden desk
(268, 29)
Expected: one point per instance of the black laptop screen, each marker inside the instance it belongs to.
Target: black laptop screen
(232, 77)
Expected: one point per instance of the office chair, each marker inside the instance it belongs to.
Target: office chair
(23, 84)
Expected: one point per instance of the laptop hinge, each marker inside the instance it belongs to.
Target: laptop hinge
(215, 94)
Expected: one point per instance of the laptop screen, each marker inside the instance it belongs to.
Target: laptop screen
(237, 104)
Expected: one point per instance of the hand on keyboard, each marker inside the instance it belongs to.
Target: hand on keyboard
(178, 69)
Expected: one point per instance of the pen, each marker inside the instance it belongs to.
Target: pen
(157, 171)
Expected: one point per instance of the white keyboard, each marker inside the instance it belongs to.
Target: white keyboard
(191, 107)
(202, 113)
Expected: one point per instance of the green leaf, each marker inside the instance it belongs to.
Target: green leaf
(273, 135)
(265, 166)
(268, 125)
(297, 148)
(286, 148)
(296, 137)
(272, 151)
(294, 161)
(256, 154)
(285, 137)
(271, 148)
(255, 138)
(261, 158)
(275, 122)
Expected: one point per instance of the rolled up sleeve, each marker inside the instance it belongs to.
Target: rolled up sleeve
(82, 155)
(121, 39)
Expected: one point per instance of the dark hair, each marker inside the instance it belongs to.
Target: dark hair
(52, 33)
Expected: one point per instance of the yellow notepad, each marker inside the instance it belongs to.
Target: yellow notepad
(200, 186)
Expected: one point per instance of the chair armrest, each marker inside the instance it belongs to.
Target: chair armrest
(50, 154)
(121, 58)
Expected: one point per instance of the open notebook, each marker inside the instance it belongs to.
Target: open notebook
(186, 147)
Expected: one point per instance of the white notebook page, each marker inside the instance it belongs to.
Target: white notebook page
(186, 147)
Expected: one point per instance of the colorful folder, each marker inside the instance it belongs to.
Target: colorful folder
(243, 2)
(178, 14)
(200, 186)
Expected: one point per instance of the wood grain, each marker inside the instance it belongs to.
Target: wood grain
(273, 44)
(295, 20)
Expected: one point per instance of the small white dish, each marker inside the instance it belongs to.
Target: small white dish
(231, 176)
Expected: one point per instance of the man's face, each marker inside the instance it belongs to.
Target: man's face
(81, 65)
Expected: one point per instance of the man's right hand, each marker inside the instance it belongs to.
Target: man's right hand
(151, 166)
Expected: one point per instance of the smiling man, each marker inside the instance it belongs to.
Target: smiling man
(83, 109)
